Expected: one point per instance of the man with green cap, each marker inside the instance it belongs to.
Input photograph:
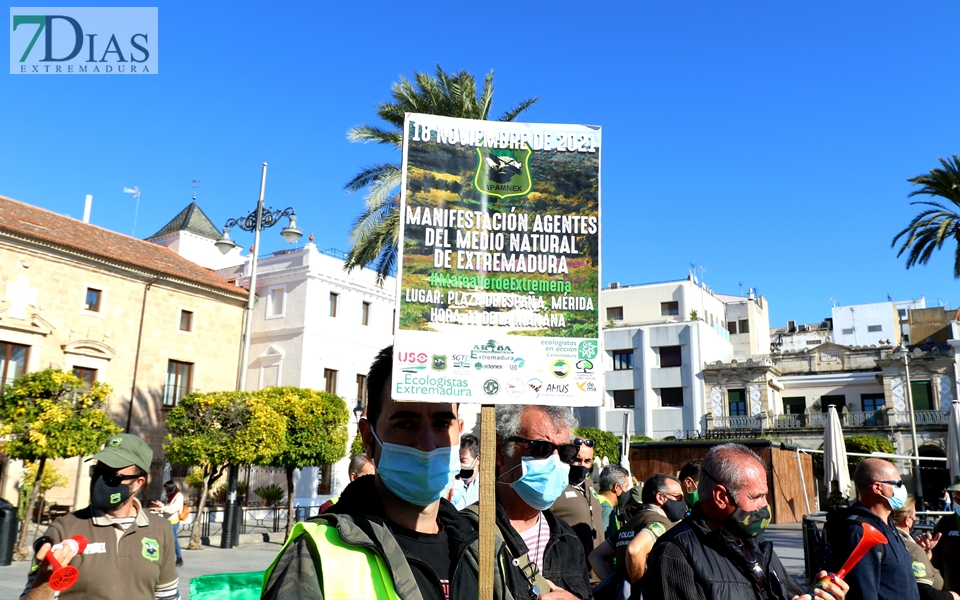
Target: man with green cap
(129, 552)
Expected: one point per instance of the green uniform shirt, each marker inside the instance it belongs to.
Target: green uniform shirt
(118, 564)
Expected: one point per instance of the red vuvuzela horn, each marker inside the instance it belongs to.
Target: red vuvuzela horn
(64, 576)
(871, 537)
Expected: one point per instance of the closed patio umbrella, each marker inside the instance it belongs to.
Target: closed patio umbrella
(835, 466)
(953, 440)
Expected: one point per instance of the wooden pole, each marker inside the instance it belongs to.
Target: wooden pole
(488, 498)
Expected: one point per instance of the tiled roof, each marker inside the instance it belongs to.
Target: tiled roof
(24, 220)
(191, 219)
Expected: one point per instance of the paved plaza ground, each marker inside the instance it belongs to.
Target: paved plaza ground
(258, 556)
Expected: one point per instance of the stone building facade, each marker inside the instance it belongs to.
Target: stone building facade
(114, 309)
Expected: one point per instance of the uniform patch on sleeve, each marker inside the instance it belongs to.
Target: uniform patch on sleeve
(151, 549)
(657, 529)
(919, 569)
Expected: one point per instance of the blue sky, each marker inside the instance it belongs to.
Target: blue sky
(769, 143)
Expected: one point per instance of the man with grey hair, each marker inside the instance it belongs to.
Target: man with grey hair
(716, 553)
(614, 484)
(533, 459)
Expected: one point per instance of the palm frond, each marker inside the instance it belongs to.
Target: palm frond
(369, 133)
(518, 109)
(371, 174)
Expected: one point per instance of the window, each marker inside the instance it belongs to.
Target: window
(330, 380)
(737, 400)
(671, 396)
(179, 380)
(794, 405)
(362, 389)
(848, 331)
(670, 356)
(744, 326)
(669, 309)
(186, 320)
(838, 400)
(88, 375)
(13, 362)
(365, 314)
(814, 342)
(872, 402)
(922, 395)
(334, 298)
(614, 313)
(324, 479)
(276, 298)
(902, 312)
(732, 327)
(92, 300)
(874, 328)
(622, 360)
(623, 399)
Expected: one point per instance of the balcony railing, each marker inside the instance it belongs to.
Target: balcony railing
(878, 418)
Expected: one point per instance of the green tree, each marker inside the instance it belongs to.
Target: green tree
(51, 414)
(607, 444)
(216, 429)
(375, 232)
(51, 479)
(934, 226)
(357, 447)
(316, 432)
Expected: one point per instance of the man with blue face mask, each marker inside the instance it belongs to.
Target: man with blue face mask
(534, 452)
(390, 535)
(886, 571)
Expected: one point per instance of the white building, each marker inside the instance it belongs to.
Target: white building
(655, 351)
(868, 324)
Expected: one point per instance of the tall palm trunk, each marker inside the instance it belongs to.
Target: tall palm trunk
(291, 520)
(24, 551)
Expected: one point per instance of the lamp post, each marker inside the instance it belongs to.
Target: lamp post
(255, 221)
(902, 353)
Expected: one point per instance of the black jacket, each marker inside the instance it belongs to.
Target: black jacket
(691, 561)
(886, 577)
(563, 561)
(295, 576)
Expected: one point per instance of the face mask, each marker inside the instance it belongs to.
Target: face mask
(466, 470)
(577, 474)
(692, 498)
(899, 497)
(542, 481)
(742, 523)
(623, 497)
(417, 476)
(675, 510)
(106, 498)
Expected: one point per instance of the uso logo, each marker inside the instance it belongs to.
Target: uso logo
(412, 358)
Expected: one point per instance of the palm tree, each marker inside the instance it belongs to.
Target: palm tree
(934, 226)
(375, 231)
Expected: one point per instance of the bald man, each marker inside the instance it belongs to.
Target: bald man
(885, 572)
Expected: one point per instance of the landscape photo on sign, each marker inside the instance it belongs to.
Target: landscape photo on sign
(500, 228)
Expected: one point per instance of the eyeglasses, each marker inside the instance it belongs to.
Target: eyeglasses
(894, 482)
(584, 442)
(111, 478)
(540, 449)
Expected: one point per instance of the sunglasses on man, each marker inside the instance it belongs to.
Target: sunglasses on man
(584, 442)
(541, 449)
(111, 478)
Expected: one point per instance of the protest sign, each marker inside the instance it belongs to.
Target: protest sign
(499, 266)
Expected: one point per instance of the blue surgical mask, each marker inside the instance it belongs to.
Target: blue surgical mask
(542, 481)
(899, 497)
(417, 476)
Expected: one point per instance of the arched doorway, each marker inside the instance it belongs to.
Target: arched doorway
(934, 475)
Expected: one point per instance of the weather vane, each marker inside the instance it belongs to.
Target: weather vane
(135, 190)
(196, 186)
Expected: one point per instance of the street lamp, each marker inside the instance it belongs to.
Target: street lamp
(905, 355)
(255, 221)
(358, 409)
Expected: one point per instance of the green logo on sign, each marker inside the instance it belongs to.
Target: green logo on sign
(491, 387)
(503, 173)
(588, 349)
(151, 549)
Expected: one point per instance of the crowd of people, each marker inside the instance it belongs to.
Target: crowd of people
(406, 526)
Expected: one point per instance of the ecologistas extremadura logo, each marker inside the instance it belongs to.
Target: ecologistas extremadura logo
(83, 41)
